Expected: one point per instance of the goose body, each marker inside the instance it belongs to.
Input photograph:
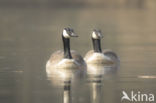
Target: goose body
(97, 58)
(97, 55)
(57, 61)
(65, 59)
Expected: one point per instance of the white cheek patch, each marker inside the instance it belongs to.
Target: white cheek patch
(65, 34)
(94, 35)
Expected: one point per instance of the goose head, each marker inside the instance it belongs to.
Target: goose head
(68, 32)
(96, 34)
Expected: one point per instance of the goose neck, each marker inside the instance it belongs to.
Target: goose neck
(66, 46)
(97, 45)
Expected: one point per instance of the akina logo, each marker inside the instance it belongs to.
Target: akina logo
(137, 97)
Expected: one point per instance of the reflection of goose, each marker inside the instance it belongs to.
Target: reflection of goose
(67, 93)
(59, 82)
(96, 73)
(65, 59)
(96, 92)
(96, 56)
(98, 70)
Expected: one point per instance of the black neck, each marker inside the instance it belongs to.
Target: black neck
(66, 45)
(97, 45)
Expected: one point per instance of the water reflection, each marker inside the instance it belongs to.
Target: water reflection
(64, 77)
(95, 94)
(95, 72)
(95, 75)
(29, 34)
(59, 76)
(67, 93)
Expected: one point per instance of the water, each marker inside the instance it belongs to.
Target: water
(30, 32)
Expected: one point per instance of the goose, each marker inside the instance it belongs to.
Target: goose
(65, 59)
(97, 56)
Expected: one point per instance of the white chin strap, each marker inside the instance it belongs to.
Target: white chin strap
(65, 34)
(94, 35)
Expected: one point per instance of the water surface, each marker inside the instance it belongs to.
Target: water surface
(30, 31)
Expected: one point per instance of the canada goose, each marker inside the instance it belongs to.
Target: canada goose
(97, 56)
(65, 59)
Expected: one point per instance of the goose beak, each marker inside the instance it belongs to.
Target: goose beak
(73, 35)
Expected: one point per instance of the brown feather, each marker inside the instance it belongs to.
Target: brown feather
(58, 56)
